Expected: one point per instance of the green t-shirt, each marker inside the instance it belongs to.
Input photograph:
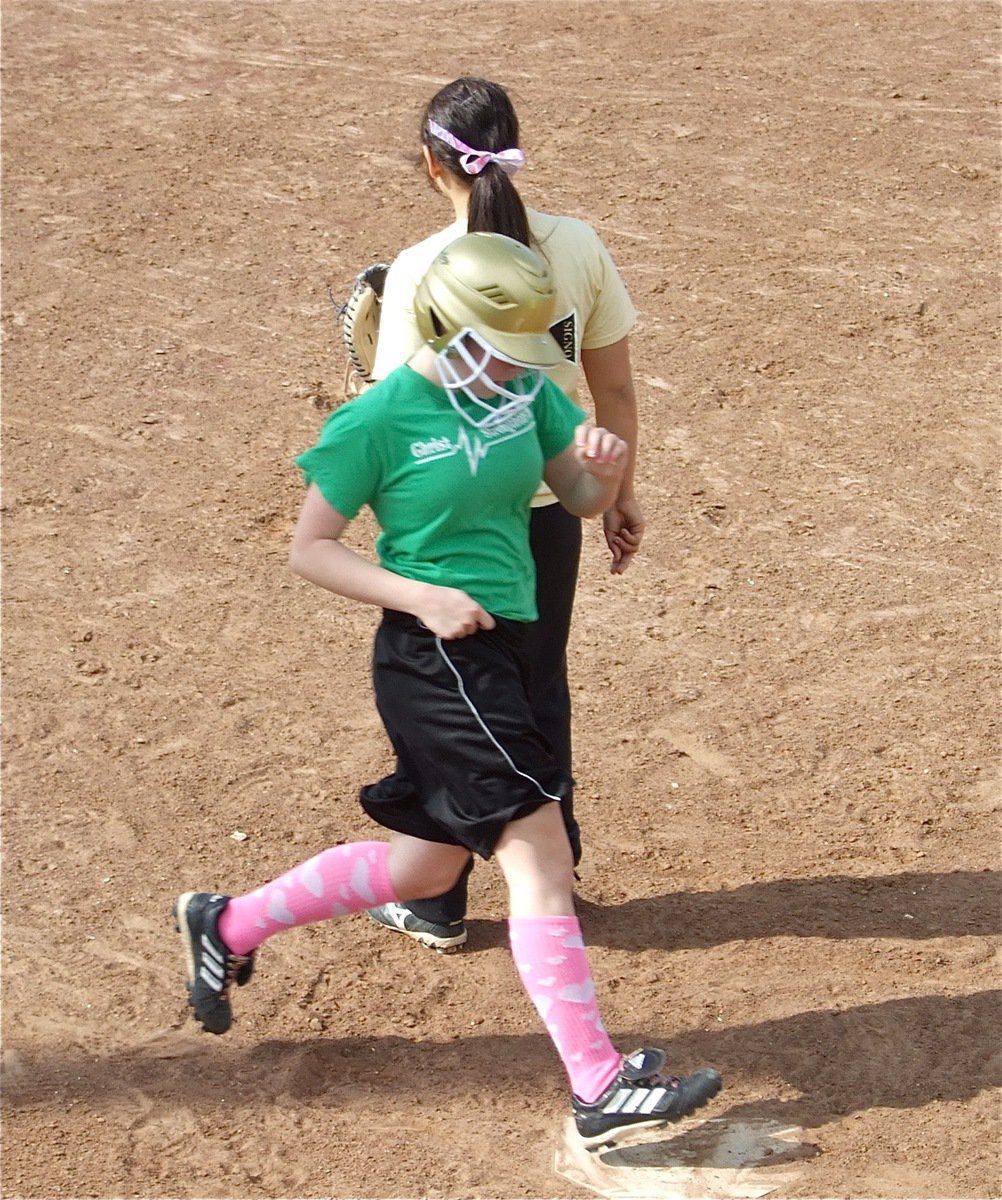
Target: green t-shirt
(452, 500)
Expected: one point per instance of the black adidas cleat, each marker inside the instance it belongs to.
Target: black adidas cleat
(446, 939)
(641, 1096)
(212, 967)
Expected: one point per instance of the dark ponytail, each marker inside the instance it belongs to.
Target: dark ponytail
(480, 114)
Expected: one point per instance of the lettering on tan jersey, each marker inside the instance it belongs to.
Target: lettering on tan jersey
(565, 332)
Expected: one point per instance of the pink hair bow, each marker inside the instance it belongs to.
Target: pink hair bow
(473, 161)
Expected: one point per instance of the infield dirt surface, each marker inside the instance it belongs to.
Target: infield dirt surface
(785, 713)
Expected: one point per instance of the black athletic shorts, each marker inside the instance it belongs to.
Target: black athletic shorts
(459, 719)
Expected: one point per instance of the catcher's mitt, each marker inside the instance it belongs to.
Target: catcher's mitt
(359, 317)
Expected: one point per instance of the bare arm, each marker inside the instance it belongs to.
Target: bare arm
(398, 331)
(586, 476)
(610, 381)
(317, 554)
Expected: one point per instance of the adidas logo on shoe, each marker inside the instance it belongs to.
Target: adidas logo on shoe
(641, 1096)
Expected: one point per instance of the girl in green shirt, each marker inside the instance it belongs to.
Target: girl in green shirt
(448, 451)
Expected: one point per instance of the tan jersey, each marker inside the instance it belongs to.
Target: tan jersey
(593, 307)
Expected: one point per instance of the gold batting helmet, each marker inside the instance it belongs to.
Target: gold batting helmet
(496, 287)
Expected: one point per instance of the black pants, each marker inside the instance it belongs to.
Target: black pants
(555, 536)
(470, 757)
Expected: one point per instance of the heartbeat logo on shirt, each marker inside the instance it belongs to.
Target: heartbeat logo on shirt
(477, 447)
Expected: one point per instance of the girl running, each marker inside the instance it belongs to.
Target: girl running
(448, 452)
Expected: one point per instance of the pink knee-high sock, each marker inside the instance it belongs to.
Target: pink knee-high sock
(551, 959)
(338, 881)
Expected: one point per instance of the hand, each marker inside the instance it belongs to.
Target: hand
(450, 613)
(599, 452)
(624, 530)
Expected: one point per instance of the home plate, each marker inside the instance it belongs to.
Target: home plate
(715, 1160)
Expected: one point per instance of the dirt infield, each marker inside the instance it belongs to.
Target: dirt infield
(786, 712)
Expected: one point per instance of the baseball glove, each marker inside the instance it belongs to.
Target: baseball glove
(359, 317)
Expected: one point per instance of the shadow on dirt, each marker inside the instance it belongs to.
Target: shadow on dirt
(895, 1054)
(909, 906)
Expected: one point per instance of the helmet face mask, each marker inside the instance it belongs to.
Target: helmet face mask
(461, 350)
(488, 293)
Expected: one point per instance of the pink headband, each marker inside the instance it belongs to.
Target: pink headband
(474, 161)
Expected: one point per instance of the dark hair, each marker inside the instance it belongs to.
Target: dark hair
(480, 114)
